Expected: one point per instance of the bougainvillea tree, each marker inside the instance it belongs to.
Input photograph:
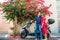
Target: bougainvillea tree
(19, 11)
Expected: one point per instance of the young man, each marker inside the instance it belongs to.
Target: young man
(38, 26)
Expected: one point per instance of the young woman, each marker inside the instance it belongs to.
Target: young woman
(38, 26)
(44, 25)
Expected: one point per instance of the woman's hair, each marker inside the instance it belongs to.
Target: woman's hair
(44, 14)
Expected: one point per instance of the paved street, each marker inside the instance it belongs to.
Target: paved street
(2, 37)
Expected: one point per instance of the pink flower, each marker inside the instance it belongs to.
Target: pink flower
(47, 7)
(40, 2)
(8, 13)
(28, 1)
(37, 10)
(4, 3)
(26, 15)
(35, 6)
(9, 0)
(50, 5)
(28, 8)
(34, 12)
(12, 2)
(48, 12)
(1, 10)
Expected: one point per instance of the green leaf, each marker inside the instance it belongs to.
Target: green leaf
(26, 11)
(7, 17)
(22, 4)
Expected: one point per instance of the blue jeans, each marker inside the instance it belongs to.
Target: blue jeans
(38, 26)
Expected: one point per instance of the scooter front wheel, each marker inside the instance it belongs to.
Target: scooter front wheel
(23, 34)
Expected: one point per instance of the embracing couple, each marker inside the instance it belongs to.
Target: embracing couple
(41, 24)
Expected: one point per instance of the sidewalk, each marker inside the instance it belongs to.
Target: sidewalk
(56, 35)
(2, 34)
(3, 37)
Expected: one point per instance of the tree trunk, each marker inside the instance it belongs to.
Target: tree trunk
(17, 27)
(15, 30)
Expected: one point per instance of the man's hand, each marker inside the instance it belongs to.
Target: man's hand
(32, 21)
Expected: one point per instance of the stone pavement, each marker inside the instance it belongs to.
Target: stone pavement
(2, 37)
(26, 39)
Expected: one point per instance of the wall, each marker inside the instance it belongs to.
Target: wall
(53, 27)
(4, 24)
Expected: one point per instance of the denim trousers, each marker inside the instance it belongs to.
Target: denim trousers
(38, 26)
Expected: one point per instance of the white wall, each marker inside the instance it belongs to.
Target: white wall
(4, 24)
(53, 27)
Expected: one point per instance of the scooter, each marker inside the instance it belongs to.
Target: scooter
(25, 30)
